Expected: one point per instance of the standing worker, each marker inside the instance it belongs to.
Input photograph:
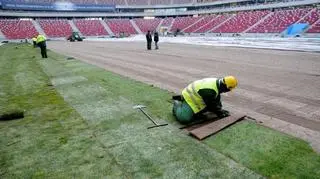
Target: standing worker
(34, 40)
(149, 40)
(202, 96)
(41, 42)
(156, 39)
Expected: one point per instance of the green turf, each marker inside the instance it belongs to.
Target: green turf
(271, 153)
(79, 123)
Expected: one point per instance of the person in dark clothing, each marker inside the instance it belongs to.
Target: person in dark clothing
(34, 40)
(156, 40)
(202, 96)
(149, 40)
(41, 42)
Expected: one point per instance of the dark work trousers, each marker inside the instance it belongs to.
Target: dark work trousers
(149, 45)
(43, 48)
(34, 44)
(156, 44)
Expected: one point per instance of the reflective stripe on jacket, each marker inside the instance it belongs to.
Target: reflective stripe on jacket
(191, 96)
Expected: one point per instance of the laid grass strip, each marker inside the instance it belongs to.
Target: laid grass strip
(272, 153)
(79, 123)
(162, 152)
(75, 127)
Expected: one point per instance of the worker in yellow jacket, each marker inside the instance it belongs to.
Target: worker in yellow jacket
(41, 42)
(202, 96)
(34, 40)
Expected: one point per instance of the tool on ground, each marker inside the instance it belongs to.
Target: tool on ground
(140, 107)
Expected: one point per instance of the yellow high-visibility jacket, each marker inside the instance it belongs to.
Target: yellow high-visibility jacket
(192, 97)
(41, 38)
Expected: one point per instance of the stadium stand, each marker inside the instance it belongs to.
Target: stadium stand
(147, 24)
(182, 1)
(137, 2)
(17, 29)
(55, 28)
(160, 2)
(213, 23)
(241, 21)
(118, 26)
(312, 17)
(167, 22)
(112, 2)
(198, 24)
(83, 1)
(251, 21)
(315, 28)
(90, 27)
(279, 21)
(37, 1)
(183, 22)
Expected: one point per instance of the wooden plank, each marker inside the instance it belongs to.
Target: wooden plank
(204, 120)
(216, 126)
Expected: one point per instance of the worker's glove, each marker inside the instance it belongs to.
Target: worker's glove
(222, 113)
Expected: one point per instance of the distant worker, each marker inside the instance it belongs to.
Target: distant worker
(156, 39)
(34, 40)
(149, 40)
(41, 42)
(202, 96)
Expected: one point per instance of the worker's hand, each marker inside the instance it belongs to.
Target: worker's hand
(223, 113)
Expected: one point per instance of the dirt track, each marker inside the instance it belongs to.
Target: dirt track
(279, 88)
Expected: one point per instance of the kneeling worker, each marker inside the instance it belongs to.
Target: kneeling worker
(41, 42)
(203, 96)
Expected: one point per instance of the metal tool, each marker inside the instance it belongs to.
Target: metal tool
(140, 107)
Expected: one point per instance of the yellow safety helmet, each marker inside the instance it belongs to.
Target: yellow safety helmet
(230, 81)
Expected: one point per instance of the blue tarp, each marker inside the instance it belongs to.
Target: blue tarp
(58, 6)
(295, 29)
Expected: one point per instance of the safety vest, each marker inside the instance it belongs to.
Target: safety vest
(191, 96)
(41, 38)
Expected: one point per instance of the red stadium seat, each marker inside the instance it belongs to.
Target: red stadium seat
(90, 27)
(183, 22)
(241, 21)
(279, 21)
(17, 29)
(213, 23)
(312, 19)
(56, 28)
(167, 22)
(118, 26)
(147, 24)
(199, 24)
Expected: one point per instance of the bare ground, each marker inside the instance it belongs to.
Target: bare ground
(280, 89)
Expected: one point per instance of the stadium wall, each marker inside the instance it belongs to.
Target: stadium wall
(155, 13)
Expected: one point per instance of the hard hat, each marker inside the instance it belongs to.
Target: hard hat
(230, 81)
